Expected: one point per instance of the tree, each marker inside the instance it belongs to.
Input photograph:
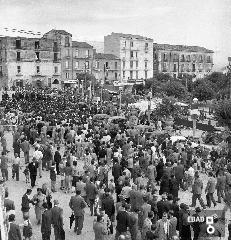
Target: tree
(88, 79)
(163, 77)
(167, 108)
(175, 89)
(223, 113)
(203, 90)
(127, 98)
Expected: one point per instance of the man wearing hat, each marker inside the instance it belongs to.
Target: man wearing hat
(57, 220)
(46, 223)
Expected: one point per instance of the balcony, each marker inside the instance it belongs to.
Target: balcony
(175, 60)
(19, 74)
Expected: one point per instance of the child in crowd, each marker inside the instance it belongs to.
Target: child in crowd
(26, 173)
(27, 229)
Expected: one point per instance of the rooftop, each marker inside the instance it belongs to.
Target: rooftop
(169, 47)
(61, 32)
(81, 44)
(131, 36)
(106, 56)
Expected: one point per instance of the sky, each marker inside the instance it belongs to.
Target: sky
(205, 23)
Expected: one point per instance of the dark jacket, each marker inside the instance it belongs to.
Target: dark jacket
(179, 171)
(9, 204)
(56, 217)
(46, 222)
(91, 190)
(122, 221)
(25, 203)
(116, 171)
(77, 204)
(57, 157)
(14, 232)
(33, 168)
(108, 205)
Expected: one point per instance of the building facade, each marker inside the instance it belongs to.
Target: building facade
(107, 68)
(28, 61)
(179, 60)
(83, 57)
(135, 52)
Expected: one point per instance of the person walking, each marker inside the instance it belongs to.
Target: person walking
(91, 191)
(33, 166)
(57, 159)
(25, 146)
(57, 220)
(15, 167)
(99, 228)
(13, 229)
(4, 166)
(210, 189)
(46, 223)
(197, 188)
(39, 199)
(77, 205)
(26, 203)
(220, 186)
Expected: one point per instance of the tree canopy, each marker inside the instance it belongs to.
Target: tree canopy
(223, 113)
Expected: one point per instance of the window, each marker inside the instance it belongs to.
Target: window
(174, 69)
(18, 69)
(131, 64)
(55, 47)
(67, 64)
(55, 57)
(68, 52)
(137, 64)
(77, 64)
(208, 59)
(1, 71)
(56, 69)
(182, 58)
(37, 69)
(49, 82)
(116, 65)
(67, 75)
(131, 54)
(18, 43)
(123, 64)
(200, 58)
(131, 74)
(87, 64)
(97, 64)
(136, 54)
(87, 53)
(67, 41)
(193, 67)
(145, 64)
(188, 58)
(137, 74)
(36, 45)
(131, 44)
(165, 57)
(155, 56)
(175, 57)
(106, 65)
(18, 56)
(145, 74)
(182, 68)
(37, 56)
(116, 75)
(123, 74)
(146, 46)
(164, 67)
(77, 52)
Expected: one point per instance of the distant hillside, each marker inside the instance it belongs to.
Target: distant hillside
(99, 46)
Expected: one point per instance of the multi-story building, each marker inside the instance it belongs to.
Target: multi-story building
(28, 61)
(135, 52)
(107, 68)
(83, 56)
(178, 60)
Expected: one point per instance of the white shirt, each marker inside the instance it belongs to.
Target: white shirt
(191, 171)
(38, 155)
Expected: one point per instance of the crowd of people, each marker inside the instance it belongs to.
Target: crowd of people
(130, 180)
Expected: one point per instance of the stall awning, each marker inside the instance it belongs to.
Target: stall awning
(71, 81)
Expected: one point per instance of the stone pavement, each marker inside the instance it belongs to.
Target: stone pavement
(17, 189)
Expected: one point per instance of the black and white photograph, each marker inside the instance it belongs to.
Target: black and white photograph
(115, 120)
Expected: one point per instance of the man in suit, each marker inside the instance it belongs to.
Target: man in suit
(25, 146)
(116, 171)
(57, 220)
(8, 204)
(210, 189)
(108, 206)
(14, 230)
(57, 159)
(77, 204)
(33, 166)
(91, 191)
(26, 203)
(179, 173)
(163, 228)
(197, 191)
(46, 223)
